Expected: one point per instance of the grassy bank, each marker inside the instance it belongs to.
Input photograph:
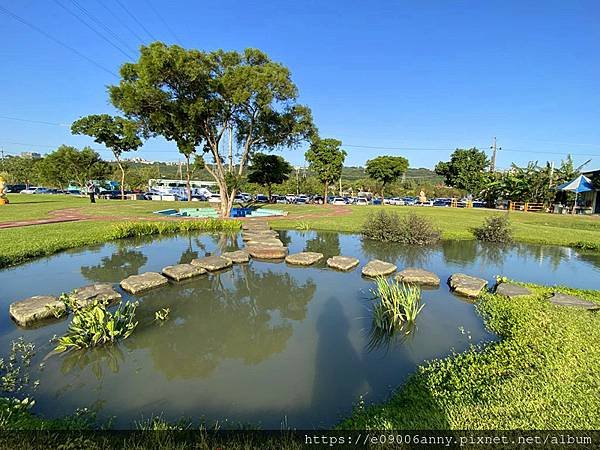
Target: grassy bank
(543, 374)
(18, 245)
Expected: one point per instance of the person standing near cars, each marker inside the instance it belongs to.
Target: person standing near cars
(91, 191)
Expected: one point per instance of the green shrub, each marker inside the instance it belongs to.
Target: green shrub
(496, 228)
(94, 325)
(409, 229)
(136, 229)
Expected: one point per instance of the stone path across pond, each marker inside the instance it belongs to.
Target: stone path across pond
(263, 243)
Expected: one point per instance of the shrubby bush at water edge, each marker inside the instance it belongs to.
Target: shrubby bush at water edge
(497, 229)
(134, 229)
(409, 229)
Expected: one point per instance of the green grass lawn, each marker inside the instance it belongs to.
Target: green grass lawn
(543, 374)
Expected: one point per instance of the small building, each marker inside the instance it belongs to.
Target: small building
(591, 199)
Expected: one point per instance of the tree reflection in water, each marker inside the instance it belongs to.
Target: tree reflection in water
(238, 314)
(399, 254)
(324, 242)
(99, 359)
(119, 265)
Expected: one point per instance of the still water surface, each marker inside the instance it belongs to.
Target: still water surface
(264, 343)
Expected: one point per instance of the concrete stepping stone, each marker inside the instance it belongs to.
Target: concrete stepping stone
(213, 263)
(573, 301)
(237, 257)
(255, 226)
(418, 276)
(378, 268)
(250, 235)
(343, 263)
(304, 258)
(33, 310)
(103, 292)
(136, 284)
(265, 242)
(180, 272)
(511, 290)
(267, 252)
(466, 285)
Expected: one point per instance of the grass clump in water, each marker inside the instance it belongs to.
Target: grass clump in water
(409, 229)
(496, 229)
(136, 229)
(397, 306)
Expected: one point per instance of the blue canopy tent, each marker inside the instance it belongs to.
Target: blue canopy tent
(579, 184)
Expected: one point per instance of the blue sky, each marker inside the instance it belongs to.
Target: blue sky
(421, 76)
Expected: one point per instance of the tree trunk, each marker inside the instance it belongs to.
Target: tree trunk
(187, 178)
(122, 177)
(326, 189)
(269, 191)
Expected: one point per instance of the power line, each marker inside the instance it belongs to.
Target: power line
(55, 40)
(99, 22)
(130, 14)
(122, 22)
(34, 121)
(93, 30)
(164, 22)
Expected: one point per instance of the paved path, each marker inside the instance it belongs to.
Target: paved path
(73, 215)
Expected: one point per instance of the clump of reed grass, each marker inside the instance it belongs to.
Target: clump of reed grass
(136, 229)
(397, 306)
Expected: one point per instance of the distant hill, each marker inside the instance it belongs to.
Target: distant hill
(350, 173)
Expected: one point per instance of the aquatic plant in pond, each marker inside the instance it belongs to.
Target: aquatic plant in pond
(14, 371)
(398, 305)
(94, 325)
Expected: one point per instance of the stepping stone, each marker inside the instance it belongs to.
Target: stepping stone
(213, 263)
(573, 301)
(304, 258)
(466, 285)
(183, 271)
(418, 276)
(103, 292)
(255, 226)
(344, 263)
(267, 252)
(136, 284)
(511, 290)
(35, 309)
(377, 268)
(248, 236)
(265, 242)
(237, 257)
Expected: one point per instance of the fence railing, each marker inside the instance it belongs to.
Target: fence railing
(525, 206)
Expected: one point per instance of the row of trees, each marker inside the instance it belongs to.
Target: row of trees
(468, 170)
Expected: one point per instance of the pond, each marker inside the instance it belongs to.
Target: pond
(264, 343)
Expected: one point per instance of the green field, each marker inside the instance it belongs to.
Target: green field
(19, 244)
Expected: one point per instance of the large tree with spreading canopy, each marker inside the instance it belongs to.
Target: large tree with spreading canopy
(194, 98)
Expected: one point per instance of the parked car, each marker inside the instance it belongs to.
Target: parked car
(291, 198)
(376, 201)
(214, 198)
(361, 201)
(442, 201)
(397, 201)
(35, 190)
(318, 199)
(409, 201)
(15, 188)
(260, 198)
(247, 197)
(302, 200)
(338, 201)
(280, 199)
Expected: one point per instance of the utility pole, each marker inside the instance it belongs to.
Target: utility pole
(494, 150)
(230, 149)
(551, 173)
